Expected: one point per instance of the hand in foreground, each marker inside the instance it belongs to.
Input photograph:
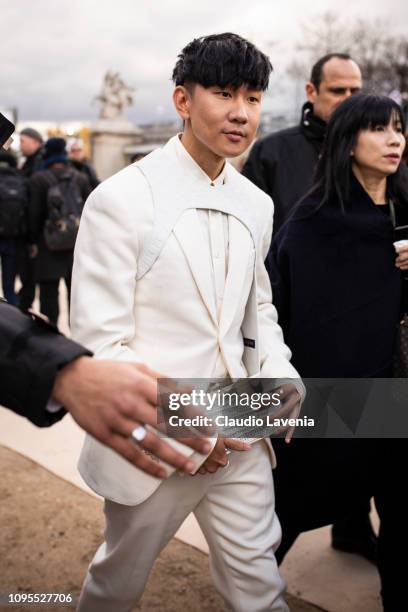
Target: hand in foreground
(402, 259)
(219, 456)
(289, 409)
(109, 399)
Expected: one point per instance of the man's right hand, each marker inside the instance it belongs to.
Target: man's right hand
(109, 399)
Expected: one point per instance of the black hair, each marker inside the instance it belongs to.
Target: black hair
(316, 75)
(224, 60)
(333, 171)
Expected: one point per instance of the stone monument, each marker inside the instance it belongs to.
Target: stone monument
(113, 132)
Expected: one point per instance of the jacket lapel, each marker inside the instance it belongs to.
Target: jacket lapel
(189, 234)
(240, 250)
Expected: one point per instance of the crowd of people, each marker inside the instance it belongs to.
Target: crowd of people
(36, 198)
(198, 300)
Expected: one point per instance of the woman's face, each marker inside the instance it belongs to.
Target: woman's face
(379, 149)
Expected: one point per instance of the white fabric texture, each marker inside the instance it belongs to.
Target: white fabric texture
(168, 319)
(234, 508)
(203, 289)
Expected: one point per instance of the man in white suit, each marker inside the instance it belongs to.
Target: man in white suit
(169, 271)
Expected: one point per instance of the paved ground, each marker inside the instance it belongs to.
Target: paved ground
(50, 530)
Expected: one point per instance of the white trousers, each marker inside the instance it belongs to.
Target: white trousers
(235, 509)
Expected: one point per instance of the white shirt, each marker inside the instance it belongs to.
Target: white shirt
(215, 231)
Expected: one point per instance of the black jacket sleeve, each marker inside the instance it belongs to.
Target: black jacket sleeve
(31, 353)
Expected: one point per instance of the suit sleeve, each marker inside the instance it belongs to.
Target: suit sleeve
(31, 353)
(104, 274)
(275, 354)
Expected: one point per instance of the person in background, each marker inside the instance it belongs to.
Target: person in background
(338, 286)
(79, 162)
(13, 209)
(56, 193)
(31, 143)
(283, 164)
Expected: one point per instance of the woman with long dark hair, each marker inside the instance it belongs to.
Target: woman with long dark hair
(338, 287)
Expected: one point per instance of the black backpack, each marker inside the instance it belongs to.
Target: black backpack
(13, 204)
(64, 205)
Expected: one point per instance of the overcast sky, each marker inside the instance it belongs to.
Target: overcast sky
(55, 52)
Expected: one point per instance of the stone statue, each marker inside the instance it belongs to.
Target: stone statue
(114, 97)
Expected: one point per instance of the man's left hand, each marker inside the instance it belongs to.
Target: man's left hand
(289, 409)
(219, 456)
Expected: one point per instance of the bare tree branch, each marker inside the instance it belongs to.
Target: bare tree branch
(383, 59)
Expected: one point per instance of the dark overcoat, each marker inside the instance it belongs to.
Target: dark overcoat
(282, 164)
(336, 287)
(338, 296)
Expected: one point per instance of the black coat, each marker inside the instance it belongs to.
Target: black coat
(88, 170)
(31, 352)
(336, 287)
(282, 164)
(32, 164)
(48, 265)
(338, 296)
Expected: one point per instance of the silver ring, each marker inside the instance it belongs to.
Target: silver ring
(139, 433)
(226, 465)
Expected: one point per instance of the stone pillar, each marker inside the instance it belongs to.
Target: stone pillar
(109, 138)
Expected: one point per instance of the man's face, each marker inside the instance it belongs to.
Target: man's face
(76, 153)
(222, 120)
(28, 145)
(340, 79)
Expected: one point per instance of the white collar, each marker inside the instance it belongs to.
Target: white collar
(176, 147)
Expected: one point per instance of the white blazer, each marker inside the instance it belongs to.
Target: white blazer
(167, 318)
